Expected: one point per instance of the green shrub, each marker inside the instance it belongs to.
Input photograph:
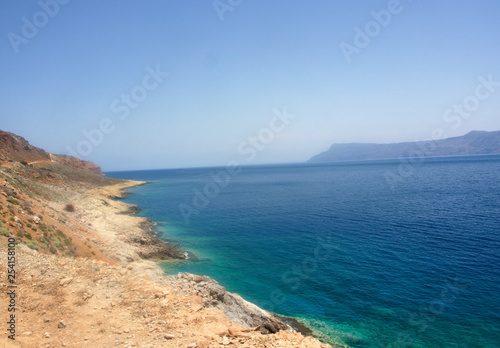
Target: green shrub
(28, 236)
(32, 245)
(4, 232)
(12, 219)
(56, 242)
(13, 201)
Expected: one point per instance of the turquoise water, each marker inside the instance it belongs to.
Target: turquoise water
(412, 262)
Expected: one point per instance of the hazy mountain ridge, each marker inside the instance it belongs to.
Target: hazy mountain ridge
(473, 143)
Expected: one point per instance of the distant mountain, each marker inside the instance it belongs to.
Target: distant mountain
(14, 148)
(473, 143)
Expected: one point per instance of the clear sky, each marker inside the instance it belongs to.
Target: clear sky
(168, 84)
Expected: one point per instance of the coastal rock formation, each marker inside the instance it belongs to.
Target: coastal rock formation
(234, 306)
(87, 273)
(152, 248)
(77, 302)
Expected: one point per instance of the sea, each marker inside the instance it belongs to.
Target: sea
(381, 253)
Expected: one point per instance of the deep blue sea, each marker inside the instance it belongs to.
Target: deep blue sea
(369, 254)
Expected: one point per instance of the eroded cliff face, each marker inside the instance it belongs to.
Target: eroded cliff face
(233, 305)
(14, 148)
(77, 163)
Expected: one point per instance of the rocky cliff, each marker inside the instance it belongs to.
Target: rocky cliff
(14, 148)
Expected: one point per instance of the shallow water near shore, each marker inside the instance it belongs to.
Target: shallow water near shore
(362, 260)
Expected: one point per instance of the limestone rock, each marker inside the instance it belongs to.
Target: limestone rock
(65, 281)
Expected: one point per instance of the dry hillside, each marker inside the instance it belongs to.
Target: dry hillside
(86, 271)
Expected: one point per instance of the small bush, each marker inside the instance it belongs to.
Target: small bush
(13, 201)
(24, 163)
(53, 249)
(4, 232)
(26, 205)
(12, 219)
(70, 208)
(28, 236)
(32, 245)
(71, 252)
(56, 242)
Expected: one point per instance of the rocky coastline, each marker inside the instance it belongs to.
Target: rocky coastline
(87, 272)
(106, 288)
(211, 292)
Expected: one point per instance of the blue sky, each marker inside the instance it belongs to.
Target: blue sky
(204, 76)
